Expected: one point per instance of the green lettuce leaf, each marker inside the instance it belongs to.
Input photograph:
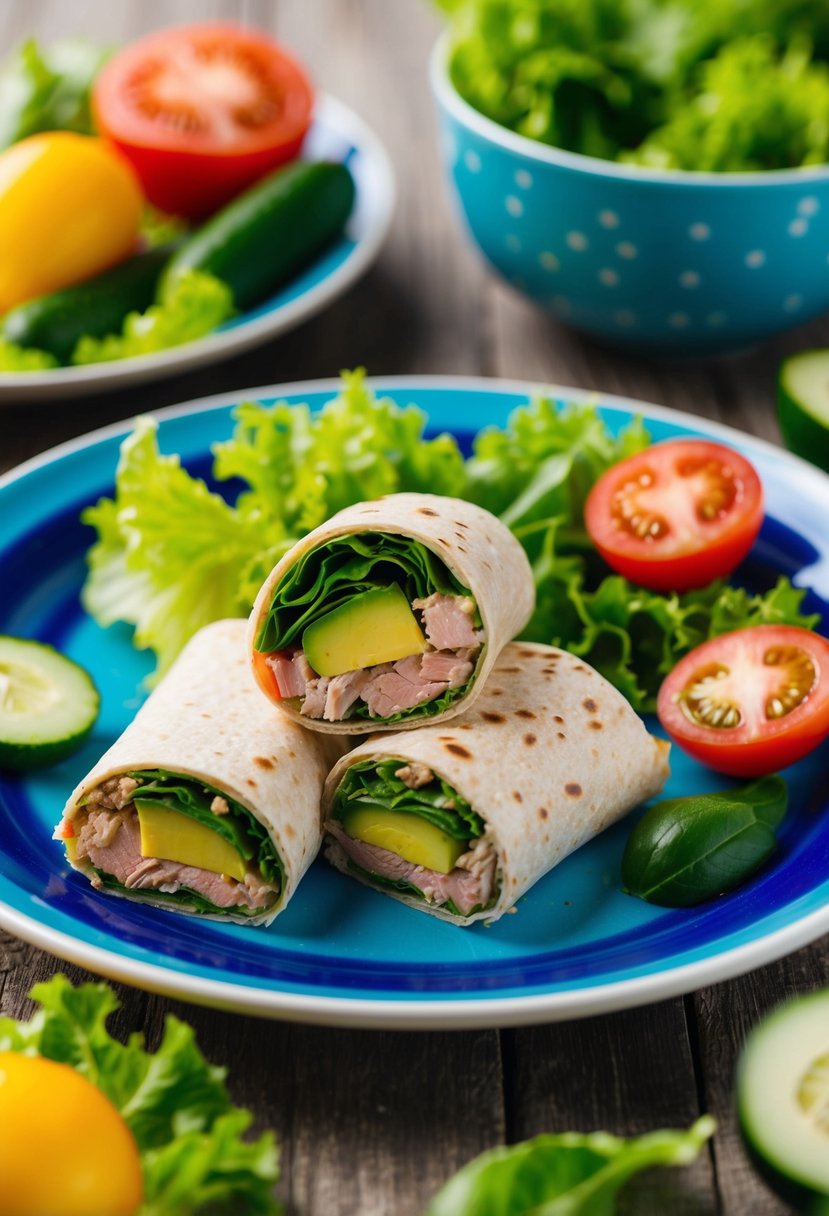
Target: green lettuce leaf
(196, 305)
(188, 1131)
(373, 783)
(329, 575)
(562, 1175)
(47, 88)
(14, 358)
(170, 556)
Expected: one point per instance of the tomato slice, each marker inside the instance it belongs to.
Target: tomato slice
(677, 515)
(202, 112)
(750, 702)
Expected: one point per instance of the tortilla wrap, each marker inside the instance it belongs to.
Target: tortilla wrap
(476, 548)
(208, 721)
(549, 756)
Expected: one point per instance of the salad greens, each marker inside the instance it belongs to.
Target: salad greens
(373, 783)
(570, 1174)
(48, 88)
(721, 85)
(684, 851)
(189, 1134)
(171, 555)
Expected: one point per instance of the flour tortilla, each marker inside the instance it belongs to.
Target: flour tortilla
(549, 756)
(479, 550)
(207, 720)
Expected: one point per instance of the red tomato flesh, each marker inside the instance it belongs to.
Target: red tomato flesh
(750, 702)
(677, 515)
(202, 112)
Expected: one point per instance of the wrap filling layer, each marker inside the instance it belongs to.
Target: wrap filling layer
(371, 626)
(402, 826)
(174, 838)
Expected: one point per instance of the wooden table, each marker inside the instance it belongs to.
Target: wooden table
(372, 1123)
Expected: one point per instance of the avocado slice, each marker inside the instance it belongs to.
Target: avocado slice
(410, 837)
(376, 626)
(172, 836)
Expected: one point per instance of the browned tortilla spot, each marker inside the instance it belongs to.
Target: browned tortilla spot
(561, 735)
(511, 670)
(424, 511)
(205, 714)
(524, 713)
(290, 830)
(590, 705)
(263, 762)
(496, 692)
(489, 715)
(460, 524)
(543, 812)
(573, 790)
(529, 740)
(457, 749)
(465, 726)
(517, 796)
(558, 718)
(594, 725)
(249, 781)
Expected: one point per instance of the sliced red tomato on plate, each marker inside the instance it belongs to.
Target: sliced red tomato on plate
(750, 702)
(202, 112)
(677, 515)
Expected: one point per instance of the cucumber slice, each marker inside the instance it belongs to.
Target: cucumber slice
(803, 405)
(48, 704)
(783, 1101)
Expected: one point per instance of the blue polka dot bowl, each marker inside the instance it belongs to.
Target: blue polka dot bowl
(672, 262)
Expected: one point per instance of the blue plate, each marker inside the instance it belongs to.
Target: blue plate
(336, 134)
(341, 954)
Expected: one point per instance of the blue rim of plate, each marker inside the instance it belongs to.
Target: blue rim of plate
(336, 133)
(340, 954)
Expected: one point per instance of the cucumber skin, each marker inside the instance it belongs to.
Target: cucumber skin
(27, 757)
(802, 433)
(270, 232)
(96, 307)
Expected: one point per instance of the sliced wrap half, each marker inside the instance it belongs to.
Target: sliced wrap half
(461, 819)
(390, 614)
(209, 802)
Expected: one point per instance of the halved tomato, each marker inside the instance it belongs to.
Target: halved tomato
(750, 702)
(202, 112)
(677, 515)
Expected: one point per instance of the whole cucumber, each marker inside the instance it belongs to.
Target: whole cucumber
(96, 307)
(270, 232)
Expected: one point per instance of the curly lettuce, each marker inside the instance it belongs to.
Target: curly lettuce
(48, 88)
(195, 1154)
(663, 83)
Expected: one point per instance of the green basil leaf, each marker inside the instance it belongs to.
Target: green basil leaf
(687, 850)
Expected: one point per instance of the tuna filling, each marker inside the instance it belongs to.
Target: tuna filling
(401, 826)
(390, 690)
(108, 836)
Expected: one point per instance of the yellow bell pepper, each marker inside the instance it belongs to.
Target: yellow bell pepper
(70, 207)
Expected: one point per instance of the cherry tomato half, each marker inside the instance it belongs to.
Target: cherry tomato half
(677, 515)
(202, 112)
(750, 702)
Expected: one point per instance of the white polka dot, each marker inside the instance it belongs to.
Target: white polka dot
(549, 260)
(699, 232)
(679, 320)
(625, 317)
(689, 278)
(715, 319)
(577, 241)
(626, 250)
(792, 303)
(513, 242)
(755, 259)
(609, 277)
(514, 206)
(609, 219)
(472, 161)
(562, 305)
(808, 205)
(798, 227)
(524, 179)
